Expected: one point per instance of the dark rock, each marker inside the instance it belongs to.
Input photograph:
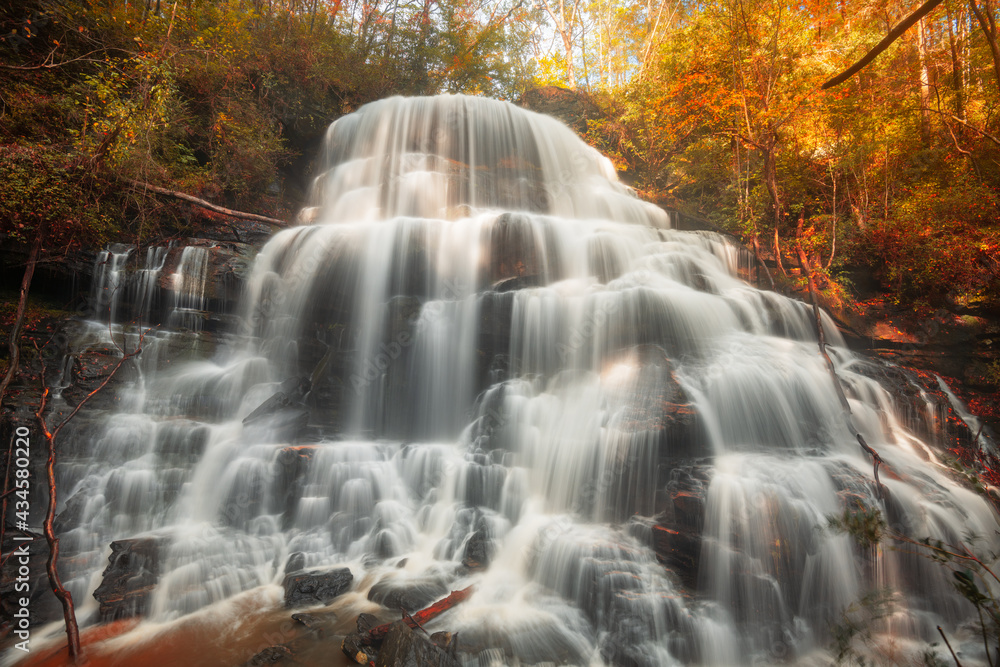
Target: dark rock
(366, 622)
(296, 388)
(357, 647)
(676, 539)
(407, 595)
(319, 624)
(295, 563)
(511, 247)
(129, 579)
(479, 549)
(679, 550)
(518, 282)
(228, 266)
(73, 511)
(290, 467)
(314, 588)
(403, 647)
(283, 416)
(270, 656)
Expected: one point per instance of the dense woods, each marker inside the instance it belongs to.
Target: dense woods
(715, 109)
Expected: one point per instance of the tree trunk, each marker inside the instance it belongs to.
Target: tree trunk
(14, 349)
(771, 181)
(957, 82)
(987, 22)
(925, 86)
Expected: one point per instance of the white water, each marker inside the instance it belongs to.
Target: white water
(502, 331)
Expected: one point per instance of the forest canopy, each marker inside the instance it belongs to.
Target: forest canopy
(715, 109)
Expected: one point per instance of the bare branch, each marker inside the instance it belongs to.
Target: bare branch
(893, 35)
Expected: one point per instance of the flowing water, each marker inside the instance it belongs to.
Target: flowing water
(488, 349)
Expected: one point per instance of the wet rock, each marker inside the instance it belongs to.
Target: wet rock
(88, 371)
(366, 622)
(512, 249)
(356, 646)
(296, 562)
(658, 404)
(407, 595)
(679, 550)
(283, 414)
(129, 579)
(227, 268)
(676, 538)
(404, 647)
(272, 655)
(319, 624)
(76, 506)
(479, 549)
(518, 282)
(315, 587)
(181, 440)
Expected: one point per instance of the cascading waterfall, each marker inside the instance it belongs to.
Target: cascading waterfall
(488, 346)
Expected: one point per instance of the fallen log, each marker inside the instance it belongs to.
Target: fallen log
(239, 215)
(423, 616)
(360, 646)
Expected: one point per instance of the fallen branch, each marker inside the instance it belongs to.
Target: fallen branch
(424, 616)
(240, 215)
(958, 663)
(821, 340)
(893, 35)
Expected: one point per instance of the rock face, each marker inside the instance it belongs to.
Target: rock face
(676, 537)
(129, 579)
(574, 108)
(314, 587)
(228, 265)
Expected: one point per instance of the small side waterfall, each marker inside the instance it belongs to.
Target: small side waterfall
(482, 360)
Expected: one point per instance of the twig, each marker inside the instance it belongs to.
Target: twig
(821, 339)
(413, 622)
(958, 663)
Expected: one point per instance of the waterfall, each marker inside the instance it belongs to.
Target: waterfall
(480, 343)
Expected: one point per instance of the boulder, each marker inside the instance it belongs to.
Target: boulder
(403, 647)
(129, 579)
(410, 595)
(315, 587)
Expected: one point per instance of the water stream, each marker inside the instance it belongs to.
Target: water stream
(489, 347)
